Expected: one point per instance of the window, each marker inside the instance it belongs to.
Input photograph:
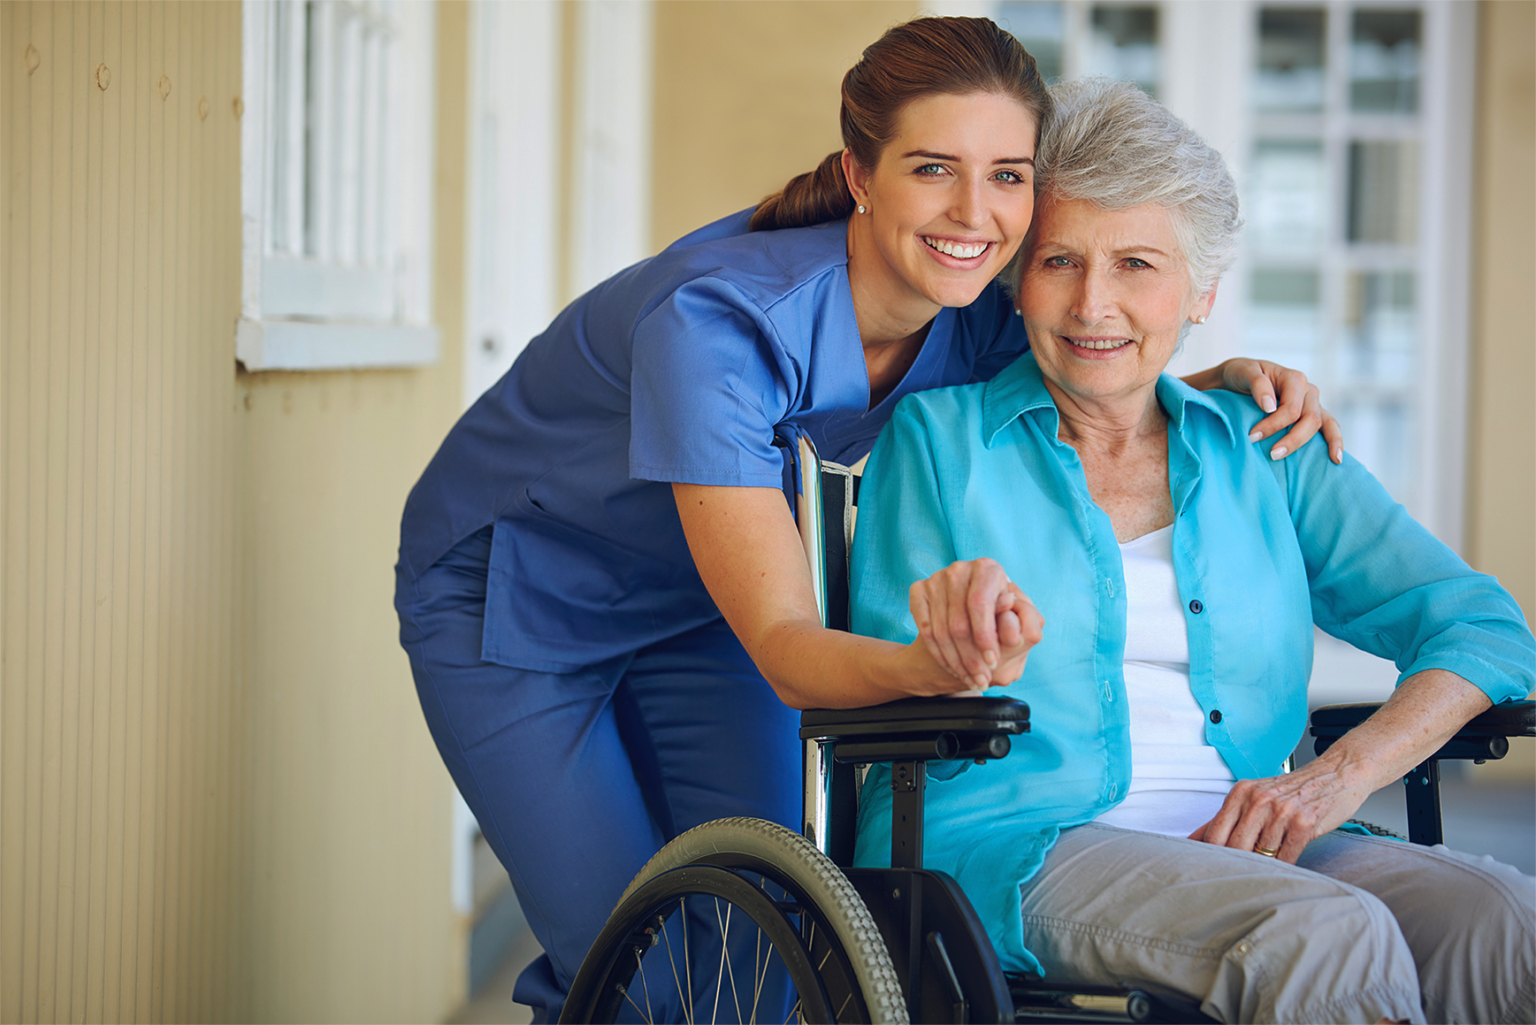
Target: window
(1352, 272)
(336, 166)
(1343, 123)
(1348, 128)
(1075, 39)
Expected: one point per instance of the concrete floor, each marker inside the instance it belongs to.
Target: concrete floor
(493, 1004)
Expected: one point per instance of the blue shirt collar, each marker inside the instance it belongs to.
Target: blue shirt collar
(1021, 388)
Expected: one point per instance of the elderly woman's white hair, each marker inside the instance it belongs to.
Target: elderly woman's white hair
(1112, 145)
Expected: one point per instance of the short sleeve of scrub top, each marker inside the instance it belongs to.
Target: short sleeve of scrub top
(710, 382)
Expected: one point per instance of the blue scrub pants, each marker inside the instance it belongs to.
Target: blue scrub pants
(578, 778)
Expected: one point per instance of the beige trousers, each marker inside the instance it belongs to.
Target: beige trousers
(1363, 928)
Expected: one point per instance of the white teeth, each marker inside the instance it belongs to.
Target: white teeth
(1100, 343)
(959, 252)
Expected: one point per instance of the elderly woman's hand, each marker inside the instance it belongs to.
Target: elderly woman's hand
(1298, 407)
(1285, 813)
(975, 622)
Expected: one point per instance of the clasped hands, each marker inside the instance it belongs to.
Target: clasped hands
(975, 625)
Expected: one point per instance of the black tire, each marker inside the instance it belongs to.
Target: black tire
(797, 900)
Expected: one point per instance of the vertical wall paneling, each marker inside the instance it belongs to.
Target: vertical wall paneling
(122, 747)
(218, 801)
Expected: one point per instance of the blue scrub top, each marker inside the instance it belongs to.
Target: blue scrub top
(681, 368)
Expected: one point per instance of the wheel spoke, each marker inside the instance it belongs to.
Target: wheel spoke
(758, 971)
(725, 929)
(644, 985)
(636, 1006)
(687, 959)
(673, 960)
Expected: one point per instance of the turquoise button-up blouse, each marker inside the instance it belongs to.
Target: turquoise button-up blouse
(1262, 550)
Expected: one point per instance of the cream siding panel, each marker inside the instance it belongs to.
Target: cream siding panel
(1501, 429)
(218, 801)
(122, 739)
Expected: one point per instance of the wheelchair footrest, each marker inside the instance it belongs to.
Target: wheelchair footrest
(1036, 1001)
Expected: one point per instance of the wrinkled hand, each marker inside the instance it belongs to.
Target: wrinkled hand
(1284, 813)
(1299, 405)
(976, 623)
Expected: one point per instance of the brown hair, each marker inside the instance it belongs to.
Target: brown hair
(918, 58)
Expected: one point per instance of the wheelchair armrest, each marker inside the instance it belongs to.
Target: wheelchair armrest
(1485, 736)
(924, 729)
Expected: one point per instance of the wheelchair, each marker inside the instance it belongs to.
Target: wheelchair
(820, 941)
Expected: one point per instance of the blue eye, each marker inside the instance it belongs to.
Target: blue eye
(1012, 177)
(1137, 263)
(1057, 261)
(931, 169)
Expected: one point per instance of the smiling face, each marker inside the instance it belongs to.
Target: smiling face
(947, 205)
(1104, 296)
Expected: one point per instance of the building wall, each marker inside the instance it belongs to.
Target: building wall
(124, 632)
(351, 831)
(747, 97)
(1501, 501)
(219, 800)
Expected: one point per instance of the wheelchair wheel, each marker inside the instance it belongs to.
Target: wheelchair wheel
(768, 913)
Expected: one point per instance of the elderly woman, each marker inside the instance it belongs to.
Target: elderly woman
(1180, 566)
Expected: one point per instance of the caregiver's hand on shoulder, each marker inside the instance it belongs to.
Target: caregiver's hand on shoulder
(1286, 395)
(1285, 813)
(975, 623)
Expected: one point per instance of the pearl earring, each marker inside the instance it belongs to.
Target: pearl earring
(861, 209)
(1199, 320)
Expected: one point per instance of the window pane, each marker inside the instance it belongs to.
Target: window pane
(1122, 43)
(1378, 327)
(1377, 432)
(1285, 317)
(1291, 61)
(1287, 203)
(1384, 62)
(1383, 192)
(1042, 28)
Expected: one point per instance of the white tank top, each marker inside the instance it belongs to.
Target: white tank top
(1178, 781)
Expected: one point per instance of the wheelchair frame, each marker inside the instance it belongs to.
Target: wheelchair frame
(946, 967)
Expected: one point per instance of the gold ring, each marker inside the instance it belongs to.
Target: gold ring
(1268, 852)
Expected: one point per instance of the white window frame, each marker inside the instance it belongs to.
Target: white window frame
(514, 195)
(336, 184)
(612, 198)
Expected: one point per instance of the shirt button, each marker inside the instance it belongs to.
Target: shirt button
(1215, 715)
(1196, 607)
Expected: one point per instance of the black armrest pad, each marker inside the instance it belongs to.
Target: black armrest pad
(1516, 719)
(918, 715)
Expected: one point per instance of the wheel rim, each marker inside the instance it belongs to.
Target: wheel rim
(631, 979)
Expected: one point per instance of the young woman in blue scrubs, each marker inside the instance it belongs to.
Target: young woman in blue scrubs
(600, 584)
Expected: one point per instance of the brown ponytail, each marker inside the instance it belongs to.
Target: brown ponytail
(919, 58)
(812, 198)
